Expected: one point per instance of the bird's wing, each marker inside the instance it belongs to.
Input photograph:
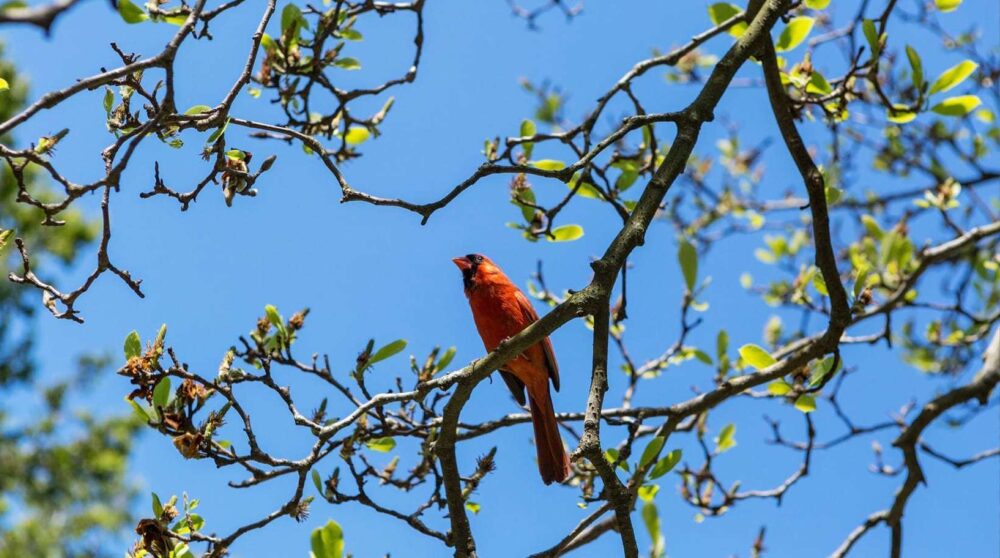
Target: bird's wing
(550, 358)
(515, 386)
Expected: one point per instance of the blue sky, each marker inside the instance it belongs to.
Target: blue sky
(375, 272)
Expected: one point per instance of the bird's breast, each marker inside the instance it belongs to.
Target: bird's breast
(496, 313)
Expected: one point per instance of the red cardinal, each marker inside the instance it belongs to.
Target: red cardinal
(501, 311)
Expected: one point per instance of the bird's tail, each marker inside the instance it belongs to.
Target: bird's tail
(553, 462)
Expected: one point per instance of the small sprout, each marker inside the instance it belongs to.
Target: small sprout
(486, 463)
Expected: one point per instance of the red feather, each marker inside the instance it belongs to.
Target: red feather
(501, 311)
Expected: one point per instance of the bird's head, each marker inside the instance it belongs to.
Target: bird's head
(476, 268)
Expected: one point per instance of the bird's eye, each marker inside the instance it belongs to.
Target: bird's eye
(479, 259)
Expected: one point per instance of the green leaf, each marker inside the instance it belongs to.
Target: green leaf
(651, 518)
(722, 11)
(778, 387)
(833, 194)
(818, 84)
(872, 227)
(357, 135)
(348, 63)
(528, 128)
(900, 114)
(611, 455)
(957, 106)
(318, 482)
(217, 133)
(177, 20)
(805, 403)
(291, 16)
(273, 316)
(794, 33)
(666, 464)
(327, 541)
(702, 355)
(524, 198)
(197, 109)
(548, 164)
(823, 369)
(647, 492)
(140, 411)
(157, 506)
(859, 280)
(473, 507)
(133, 345)
(916, 67)
(756, 356)
(625, 180)
(382, 445)
(352, 35)
(820, 284)
(945, 6)
(652, 449)
(688, 258)
(267, 42)
(161, 393)
(566, 233)
(817, 4)
(109, 100)
(953, 76)
(586, 190)
(726, 438)
(130, 12)
(387, 351)
(871, 35)
(446, 358)
(721, 344)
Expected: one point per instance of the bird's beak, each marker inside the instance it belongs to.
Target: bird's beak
(462, 263)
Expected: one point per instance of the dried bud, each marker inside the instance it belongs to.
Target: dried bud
(264, 76)
(333, 481)
(618, 310)
(389, 470)
(865, 298)
(266, 165)
(189, 444)
(298, 319)
(190, 390)
(154, 536)
(300, 511)
(169, 513)
(227, 362)
(135, 365)
(47, 144)
(172, 420)
(519, 183)
(486, 464)
(806, 66)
